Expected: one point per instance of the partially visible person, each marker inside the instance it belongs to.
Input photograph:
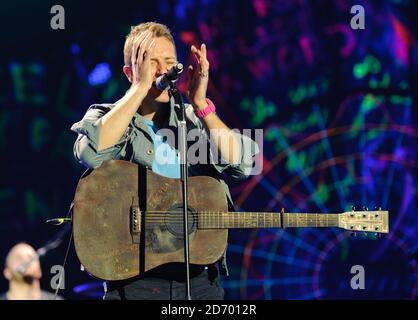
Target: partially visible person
(24, 284)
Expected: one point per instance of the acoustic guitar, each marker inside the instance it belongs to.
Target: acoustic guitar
(128, 220)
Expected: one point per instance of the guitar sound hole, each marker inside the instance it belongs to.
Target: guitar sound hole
(174, 220)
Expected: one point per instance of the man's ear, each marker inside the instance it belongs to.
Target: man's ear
(7, 274)
(128, 72)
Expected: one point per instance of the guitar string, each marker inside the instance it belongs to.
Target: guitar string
(299, 214)
(214, 216)
(247, 212)
(158, 218)
(292, 215)
(217, 217)
(220, 225)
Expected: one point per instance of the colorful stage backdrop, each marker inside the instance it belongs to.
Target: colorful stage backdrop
(338, 107)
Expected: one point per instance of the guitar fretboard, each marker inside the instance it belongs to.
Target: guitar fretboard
(231, 220)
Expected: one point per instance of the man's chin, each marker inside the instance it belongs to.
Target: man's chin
(158, 95)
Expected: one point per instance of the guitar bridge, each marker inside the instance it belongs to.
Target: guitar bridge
(135, 223)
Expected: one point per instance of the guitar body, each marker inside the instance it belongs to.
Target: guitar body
(102, 220)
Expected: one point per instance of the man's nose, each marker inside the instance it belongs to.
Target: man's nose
(162, 68)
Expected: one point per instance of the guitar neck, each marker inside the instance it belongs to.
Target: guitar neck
(231, 220)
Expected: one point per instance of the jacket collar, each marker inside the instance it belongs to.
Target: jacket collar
(172, 120)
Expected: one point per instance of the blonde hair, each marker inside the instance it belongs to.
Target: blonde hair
(158, 29)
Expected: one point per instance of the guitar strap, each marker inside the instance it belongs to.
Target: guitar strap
(142, 199)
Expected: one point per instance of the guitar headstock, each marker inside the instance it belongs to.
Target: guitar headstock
(376, 221)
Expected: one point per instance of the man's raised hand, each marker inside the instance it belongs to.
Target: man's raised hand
(142, 74)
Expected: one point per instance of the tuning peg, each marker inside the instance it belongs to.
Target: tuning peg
(365, 208)
(353, 234)
(353, 208)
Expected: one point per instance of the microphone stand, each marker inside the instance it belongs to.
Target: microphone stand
(174, 92)
(52, 244)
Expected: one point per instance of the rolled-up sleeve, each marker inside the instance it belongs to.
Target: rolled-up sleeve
(88, 129)
(248, 149)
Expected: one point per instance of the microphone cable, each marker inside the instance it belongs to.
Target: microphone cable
(61, 221)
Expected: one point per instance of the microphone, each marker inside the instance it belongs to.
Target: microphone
(52, 244)
(38, 254)
(163, 81)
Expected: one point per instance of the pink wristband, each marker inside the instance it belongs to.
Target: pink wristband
(209, 109)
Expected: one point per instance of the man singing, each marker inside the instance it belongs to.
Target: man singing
(129, 130)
